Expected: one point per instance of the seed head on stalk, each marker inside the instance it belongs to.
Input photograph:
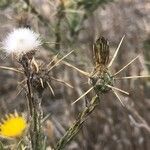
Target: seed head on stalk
(101, 79)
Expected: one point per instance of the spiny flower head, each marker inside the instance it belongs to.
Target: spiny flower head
(13, 126)
(21, 40)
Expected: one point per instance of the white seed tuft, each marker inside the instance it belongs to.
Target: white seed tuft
(21, 41)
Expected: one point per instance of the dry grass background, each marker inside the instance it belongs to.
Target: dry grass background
(109, 126)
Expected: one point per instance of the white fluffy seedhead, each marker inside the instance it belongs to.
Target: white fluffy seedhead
(21, 41)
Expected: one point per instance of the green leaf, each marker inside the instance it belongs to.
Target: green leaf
(1, 146)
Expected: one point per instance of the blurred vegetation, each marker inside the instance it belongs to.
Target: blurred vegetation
(4, 3)
(147, 53)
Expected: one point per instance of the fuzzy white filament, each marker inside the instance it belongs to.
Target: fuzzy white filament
(21, 40)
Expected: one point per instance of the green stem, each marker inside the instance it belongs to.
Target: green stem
(77, 125)
(34, 105)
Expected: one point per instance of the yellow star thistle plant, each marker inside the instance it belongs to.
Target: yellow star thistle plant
(13, 126)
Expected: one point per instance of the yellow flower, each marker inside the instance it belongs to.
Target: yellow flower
(13, 126)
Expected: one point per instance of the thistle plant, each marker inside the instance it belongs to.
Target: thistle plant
(102, 81)
(23, 43)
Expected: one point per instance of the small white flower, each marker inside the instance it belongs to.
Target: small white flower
(21, 41)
